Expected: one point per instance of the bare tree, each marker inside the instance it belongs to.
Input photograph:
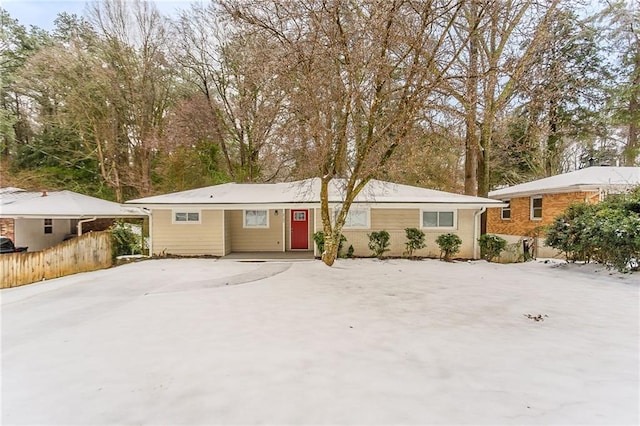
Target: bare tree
(239, 75)
(361, 75)
(500, 39)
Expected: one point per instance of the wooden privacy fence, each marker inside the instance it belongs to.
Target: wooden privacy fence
(88, 252)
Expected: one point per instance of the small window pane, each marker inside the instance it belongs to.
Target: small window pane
(446, 219)
(255, 218)
(181, 217)
(193, 217)
(356, 218)
(48, 226)
(537, 203)
(299, 216)
(430, 219)
(506, 211)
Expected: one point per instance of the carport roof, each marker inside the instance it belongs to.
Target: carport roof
(16, 202)
(308, 191)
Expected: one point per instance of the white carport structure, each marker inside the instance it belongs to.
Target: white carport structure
(45, 218)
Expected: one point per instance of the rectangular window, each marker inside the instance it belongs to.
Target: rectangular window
(186, 217)
(48, 226)
(506, 211)
(436, 219)
(536, 208)
(299, 216)
(356, 218)
(256, 218)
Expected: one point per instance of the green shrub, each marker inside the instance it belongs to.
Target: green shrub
(608, 232)
(125, 241)
(449, 245)
(379, 243)
(573, 232)
(350, 252)
(318, 237)
(491, 246)
(415, 240)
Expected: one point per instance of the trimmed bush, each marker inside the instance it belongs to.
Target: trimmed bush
(379, 243)
(608, 232)
(449, 245)
(415, 240)
(491, 246)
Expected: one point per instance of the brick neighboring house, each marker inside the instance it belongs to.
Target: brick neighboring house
(534, 205)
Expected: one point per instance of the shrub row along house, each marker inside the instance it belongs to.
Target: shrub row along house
(282, 217)
(531, 206)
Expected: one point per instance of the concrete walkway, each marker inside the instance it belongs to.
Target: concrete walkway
(269, 256)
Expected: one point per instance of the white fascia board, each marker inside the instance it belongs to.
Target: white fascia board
(60, 216)
(428, 206)
(332, 205)
(563, 190)
(254, 206)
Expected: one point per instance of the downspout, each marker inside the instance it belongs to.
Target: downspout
(150, 216)
(476, 226)
(80, 222)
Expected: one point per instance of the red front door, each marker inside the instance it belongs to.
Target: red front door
(300, 229)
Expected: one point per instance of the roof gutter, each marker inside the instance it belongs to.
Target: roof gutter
(80, 222)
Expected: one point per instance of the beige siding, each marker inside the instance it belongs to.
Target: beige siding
(227, 232)
(205, 238)
(257, 239)
(395, 221)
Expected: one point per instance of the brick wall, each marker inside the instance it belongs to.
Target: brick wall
(521, 223)
(8, 229)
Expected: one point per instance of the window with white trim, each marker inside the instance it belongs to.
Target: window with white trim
(256, 218)
(439, 219)
(536, 208)
(506, 211)
(186, 217)
(48, 226)
(356, 218)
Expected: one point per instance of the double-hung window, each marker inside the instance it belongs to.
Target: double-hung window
(186, 217)
(357, 219)
(48, 226)
(536, 208)
(439, 219)
(256, 218)
(506, 211)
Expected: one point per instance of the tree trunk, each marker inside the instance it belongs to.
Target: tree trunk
(471, 132)
(551, 151)
(631, 150)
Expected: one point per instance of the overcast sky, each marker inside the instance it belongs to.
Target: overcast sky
(42, 13)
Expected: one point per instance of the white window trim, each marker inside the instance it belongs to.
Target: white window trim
(49, 226)
(244, 219)
(367, 213)
(186, 222)
(505, 208)
(537, 197)
(440, 228)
